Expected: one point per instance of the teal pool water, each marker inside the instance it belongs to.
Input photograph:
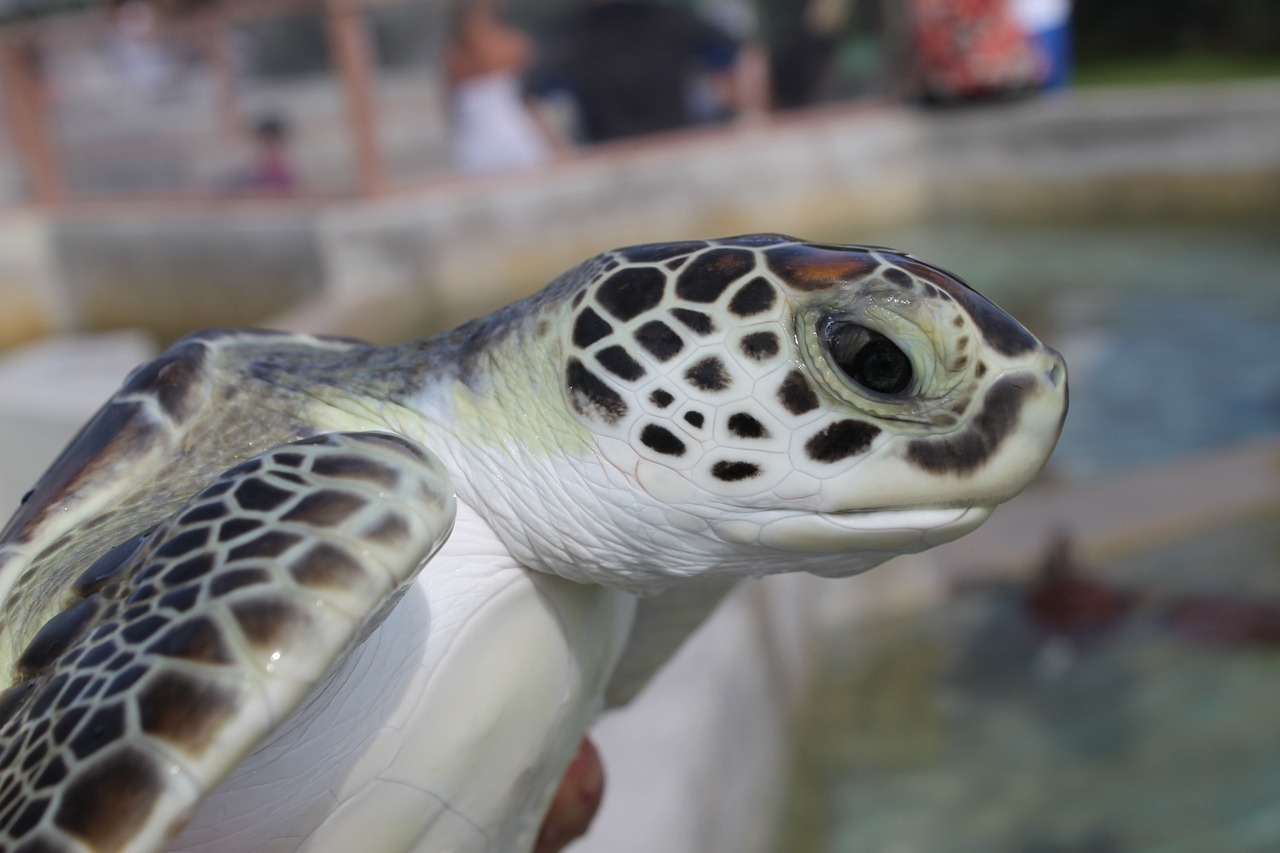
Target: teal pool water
(970, 728)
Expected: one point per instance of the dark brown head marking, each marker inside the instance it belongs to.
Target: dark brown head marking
(760, 346)
(841, 440)
(631, 291)
(796, 394)
(661, 440)
(589, 328)
(694, 419)
(808, 267)
(733, 471)
(661, 398)
(896, 276)
(708, 374)
(744, 425)
(696, 321)
(661, 341)
(619, 362)
(710, 273)
(591, 396)
(968, 450)
(754, 297)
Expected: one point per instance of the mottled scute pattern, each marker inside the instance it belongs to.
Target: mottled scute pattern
(187, 644)
(687, 352)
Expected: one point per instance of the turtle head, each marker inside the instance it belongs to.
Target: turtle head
(791, 405)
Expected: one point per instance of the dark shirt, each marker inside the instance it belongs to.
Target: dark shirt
(630, 64)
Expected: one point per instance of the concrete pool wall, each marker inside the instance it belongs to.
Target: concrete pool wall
(446, 251)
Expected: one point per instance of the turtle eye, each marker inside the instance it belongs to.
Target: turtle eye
(868, 358)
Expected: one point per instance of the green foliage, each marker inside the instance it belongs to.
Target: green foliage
(1182, 68)
(1115, 29)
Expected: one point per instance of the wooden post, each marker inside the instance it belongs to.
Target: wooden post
(27, 116)
(351, 52)
(215, 37)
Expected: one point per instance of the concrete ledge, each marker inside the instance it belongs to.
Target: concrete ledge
(1191, 150)
(456, 247)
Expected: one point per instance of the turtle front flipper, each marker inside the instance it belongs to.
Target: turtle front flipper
(187, 646)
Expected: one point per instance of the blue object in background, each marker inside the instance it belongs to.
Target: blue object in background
(1055, 45)
(1048, 23)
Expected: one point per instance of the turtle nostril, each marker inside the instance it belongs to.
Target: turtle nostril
(1056, 375)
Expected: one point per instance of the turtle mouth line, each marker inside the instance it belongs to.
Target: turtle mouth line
(894, 509)
(929, 519)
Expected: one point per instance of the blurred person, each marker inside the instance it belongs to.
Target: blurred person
(493, 126)
(802, 52)
(271, 170)
(742, 90)
(632, 67)
(137, 49)
(971, 50)
(1048, 22)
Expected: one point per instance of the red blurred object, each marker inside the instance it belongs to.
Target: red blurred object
(1065, 601)
(968, 50)
(1219, 620)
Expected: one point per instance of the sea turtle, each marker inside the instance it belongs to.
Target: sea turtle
(298, 593)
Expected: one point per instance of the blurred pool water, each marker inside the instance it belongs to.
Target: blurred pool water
(971, 728)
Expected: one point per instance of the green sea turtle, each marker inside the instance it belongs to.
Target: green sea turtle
(296, 593)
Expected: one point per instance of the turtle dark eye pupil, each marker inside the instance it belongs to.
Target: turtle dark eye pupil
(870, 359)
(880, 366)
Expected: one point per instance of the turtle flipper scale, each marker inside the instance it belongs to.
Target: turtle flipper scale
(144, 694)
